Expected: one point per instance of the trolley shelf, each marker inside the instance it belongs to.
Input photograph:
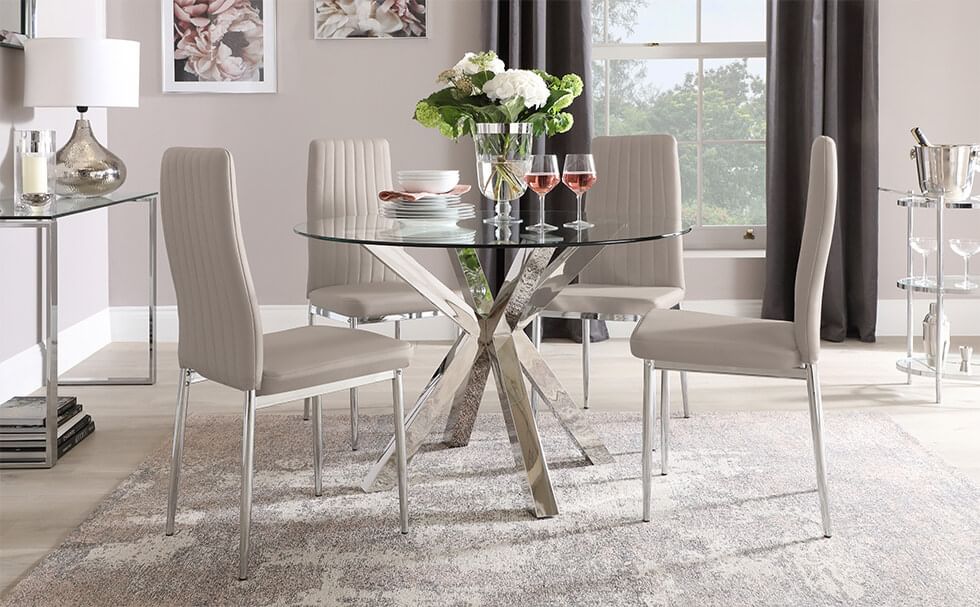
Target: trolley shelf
(951, 369)
(950, 282)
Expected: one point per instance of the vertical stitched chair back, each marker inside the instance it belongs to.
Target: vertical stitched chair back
(343, 179)
(640, 183)
(220, 328)
(818, 231)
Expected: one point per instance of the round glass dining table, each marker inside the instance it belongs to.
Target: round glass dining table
(491, 336)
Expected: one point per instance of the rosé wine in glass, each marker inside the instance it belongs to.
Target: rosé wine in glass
(542, 178)
(579, 176)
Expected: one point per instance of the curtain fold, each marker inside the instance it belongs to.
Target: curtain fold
(553, 35)
(823, 80)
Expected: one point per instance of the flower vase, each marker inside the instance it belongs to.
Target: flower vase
(503, 159)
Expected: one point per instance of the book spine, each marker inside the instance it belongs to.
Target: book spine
(76, 438)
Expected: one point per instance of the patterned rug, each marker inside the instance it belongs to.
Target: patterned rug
(735, 523)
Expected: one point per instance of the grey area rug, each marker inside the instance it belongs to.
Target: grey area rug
(735, 523)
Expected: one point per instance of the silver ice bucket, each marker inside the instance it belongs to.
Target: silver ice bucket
(947, 170)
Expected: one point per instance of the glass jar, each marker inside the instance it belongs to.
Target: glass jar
(34, 168)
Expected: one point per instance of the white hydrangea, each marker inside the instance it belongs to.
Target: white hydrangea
(472, 63)
(518, 83)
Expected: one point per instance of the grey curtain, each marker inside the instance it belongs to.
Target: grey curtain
(553, 35)
(823, 80)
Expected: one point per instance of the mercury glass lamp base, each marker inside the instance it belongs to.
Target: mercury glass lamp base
(579, 225)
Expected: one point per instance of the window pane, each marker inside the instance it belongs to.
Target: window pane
(734, 99)
(641, 21)
(688, 153)
(653, 96)
(598, 8)
(733, 20)
(599, 97)
(734, 184)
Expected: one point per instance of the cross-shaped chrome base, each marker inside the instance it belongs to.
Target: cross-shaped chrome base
(492, 338)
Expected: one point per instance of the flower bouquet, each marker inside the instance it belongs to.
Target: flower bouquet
(503, 110)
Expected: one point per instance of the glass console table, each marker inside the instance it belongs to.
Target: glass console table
(491, 337)
(46, 221)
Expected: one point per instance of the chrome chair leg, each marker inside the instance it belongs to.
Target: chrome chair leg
(183, 394)
(586, 342)
(687, 409)
(307, 402)
(248, 456)
(649, 398)
(317, 446)
(353, 404)
(664, 419)
(816, 429)
(397, 393)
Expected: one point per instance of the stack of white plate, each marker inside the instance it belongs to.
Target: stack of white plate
(436, 182)
(444, 210)
(435, 234)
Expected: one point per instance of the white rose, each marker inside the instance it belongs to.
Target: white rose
(518, 83)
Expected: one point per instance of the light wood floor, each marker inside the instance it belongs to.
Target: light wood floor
(38, 508)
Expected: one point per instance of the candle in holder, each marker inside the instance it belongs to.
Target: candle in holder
(34, 162)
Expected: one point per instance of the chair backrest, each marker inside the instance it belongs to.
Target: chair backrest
(344, 177)
(640, 183)
(220, 329)
(818, 231)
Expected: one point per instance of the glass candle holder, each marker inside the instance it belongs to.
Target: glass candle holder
(34, 168)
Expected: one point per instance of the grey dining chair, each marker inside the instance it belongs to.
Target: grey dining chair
(346, 283)
(710, 343)
(220, 334)
(640, 183)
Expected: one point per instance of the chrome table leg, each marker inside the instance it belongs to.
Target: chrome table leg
(466, 403)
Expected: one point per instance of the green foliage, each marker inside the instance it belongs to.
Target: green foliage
(456, 109)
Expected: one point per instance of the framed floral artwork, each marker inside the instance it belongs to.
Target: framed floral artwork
(369, 19)
(219, 46)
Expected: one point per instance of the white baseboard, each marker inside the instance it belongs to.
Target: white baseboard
(22, 373)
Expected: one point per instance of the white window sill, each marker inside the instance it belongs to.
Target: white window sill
(724, 254)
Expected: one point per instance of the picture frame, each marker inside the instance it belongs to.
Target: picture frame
(397, 19)
(246, 57)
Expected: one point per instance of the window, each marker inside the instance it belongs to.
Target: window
(695, 69)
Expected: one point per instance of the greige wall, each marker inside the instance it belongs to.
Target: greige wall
(335, 88)
(83, 239)
(930, 78)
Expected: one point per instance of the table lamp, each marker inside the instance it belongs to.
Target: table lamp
(83, 73)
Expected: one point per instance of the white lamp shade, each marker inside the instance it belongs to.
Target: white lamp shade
(89, 72)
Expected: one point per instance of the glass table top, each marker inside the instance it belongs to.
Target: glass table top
(473, 233)
(62, 207)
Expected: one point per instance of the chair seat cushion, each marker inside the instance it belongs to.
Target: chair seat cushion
(679, 336)
(612, 299)
(310, 356)
(370, 299)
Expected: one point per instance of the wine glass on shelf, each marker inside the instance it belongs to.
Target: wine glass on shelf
(923, 245)
(579, 176)
(542, 178)
(965, 248)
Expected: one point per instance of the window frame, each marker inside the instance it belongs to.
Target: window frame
(702, 237)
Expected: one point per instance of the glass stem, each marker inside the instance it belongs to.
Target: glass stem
(966, 269)
(541, 209)
(578, 207)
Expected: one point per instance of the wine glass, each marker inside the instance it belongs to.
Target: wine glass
(923, 245)
(579, 176)
(542, 178)
(965, 248)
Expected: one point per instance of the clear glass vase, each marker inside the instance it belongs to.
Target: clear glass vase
(503, 159)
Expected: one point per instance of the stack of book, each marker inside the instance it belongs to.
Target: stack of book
(22, 428)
